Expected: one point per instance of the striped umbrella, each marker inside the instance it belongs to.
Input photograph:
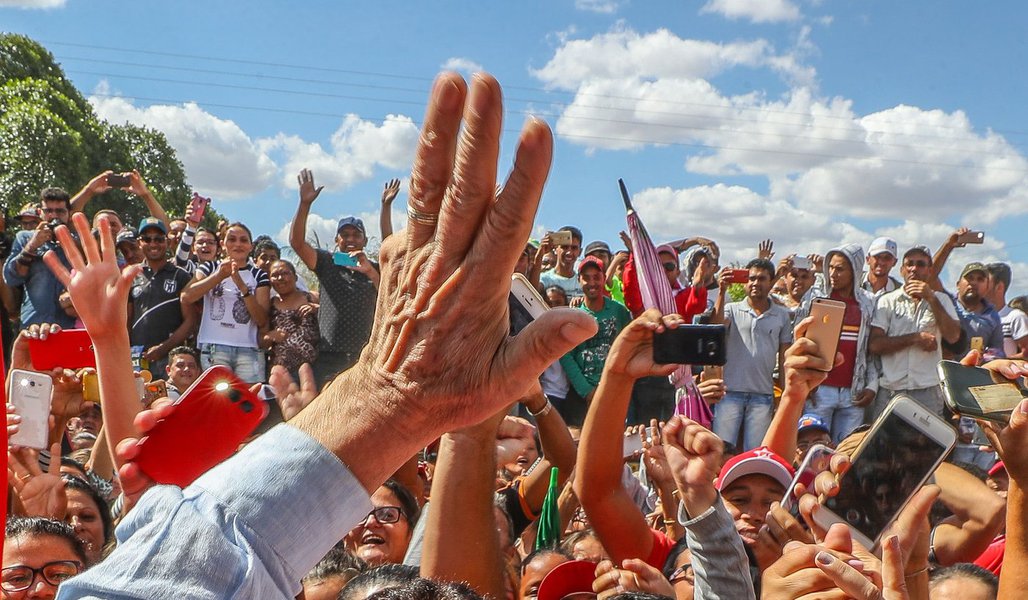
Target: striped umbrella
(656, 293)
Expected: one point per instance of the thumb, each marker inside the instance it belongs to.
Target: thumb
(555, 333)
(848, 579)
(1019, 417)
(639, 567)
(972, 359)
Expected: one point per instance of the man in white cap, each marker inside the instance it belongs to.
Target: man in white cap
(881, 258)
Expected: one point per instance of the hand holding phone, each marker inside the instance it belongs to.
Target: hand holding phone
(560, 238)
(828, 316)
(980, 393)
(971, 237)
(343, 259)
(197, 206)
(525, 303)
(739, 276)
(68, 348)
(31, 393)
(206, 426)
(119, 180)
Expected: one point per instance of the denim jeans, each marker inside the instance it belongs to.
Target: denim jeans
(246, 363)
(835, 407)
(751, 412)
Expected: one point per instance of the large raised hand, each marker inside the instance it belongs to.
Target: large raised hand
(439, 357)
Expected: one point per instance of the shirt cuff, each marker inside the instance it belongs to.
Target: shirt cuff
(291, 491)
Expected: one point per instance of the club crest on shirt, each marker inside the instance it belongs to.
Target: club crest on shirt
(169, 286)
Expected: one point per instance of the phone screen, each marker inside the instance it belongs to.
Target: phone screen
(519, 315)
(887, 471)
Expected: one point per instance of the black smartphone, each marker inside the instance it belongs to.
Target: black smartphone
(690, 345)
(980, 393)
(118, 180)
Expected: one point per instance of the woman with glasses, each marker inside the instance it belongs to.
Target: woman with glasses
(236, 297)
(39, 555)
(385, 533)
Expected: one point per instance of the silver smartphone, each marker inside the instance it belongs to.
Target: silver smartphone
(896, 457)
(525, 303)
(31, 394)
(818, 459)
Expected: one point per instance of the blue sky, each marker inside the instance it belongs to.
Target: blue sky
(813, 122)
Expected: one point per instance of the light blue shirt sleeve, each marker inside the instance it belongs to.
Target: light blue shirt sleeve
(252, 527)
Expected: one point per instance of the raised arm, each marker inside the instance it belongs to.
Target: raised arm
(942, 254)
(385, 220)
(558, 448)
(138, 187)
(724, 278)
(96, 185)
(619, 523)
(100, 292)
(298, 229)
(978, 516)
(463, 484)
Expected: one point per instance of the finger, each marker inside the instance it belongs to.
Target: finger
(433, 162)
(57, 267)
(86, 238)
(911, 518)
(55, 461)
(509, 222)
(524, 357)
(127, 278)
(972, 359)
(800, 331)
(849, 580)
(893, 578)
(127, 449)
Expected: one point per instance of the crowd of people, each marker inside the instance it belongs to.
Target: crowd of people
(427, 453)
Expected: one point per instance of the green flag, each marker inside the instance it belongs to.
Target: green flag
(547, 534)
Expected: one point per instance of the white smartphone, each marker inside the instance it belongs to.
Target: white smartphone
(896, 457)
(525, 302)
(31, 393)
(818, 459)
(802, 262)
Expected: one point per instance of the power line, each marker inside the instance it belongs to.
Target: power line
(764, 110)
(587, 137)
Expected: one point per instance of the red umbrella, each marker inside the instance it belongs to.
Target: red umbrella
(656, 293)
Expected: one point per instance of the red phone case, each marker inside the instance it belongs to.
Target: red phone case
(211, 419)
(68, 348)
(740, 276)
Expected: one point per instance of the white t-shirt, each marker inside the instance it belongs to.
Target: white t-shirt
(898, 314)
(1015, 327)
(225, 318)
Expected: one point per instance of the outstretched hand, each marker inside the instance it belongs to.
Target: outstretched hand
(389, 192)
(42, 494)
(99, 288)
(439, 357)
(631, 353)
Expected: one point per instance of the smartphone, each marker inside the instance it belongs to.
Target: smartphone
(343, 259)
(712, 372)
(31, 394)
(525, 303)
(739, 276)
(68, 348)
(802, 262)
(152, 390)
(199, 205)
(827, 327)
(560, 238)
(632, 444)
(980, 393)
(972, 237)
(211, 419)
(274, 416)
(818, 459)
(896, 457)
(118, 180)
(690, 345)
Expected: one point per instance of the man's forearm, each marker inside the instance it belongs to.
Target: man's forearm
(949, 327)
(891, 344)
(298, 230)
(1014, 582)
(155, 208)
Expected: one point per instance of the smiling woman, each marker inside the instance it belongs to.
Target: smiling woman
(384, 534)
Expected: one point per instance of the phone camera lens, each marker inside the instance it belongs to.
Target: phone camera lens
(32, 384)
(246, 406)
(711, 348)
(233, 394)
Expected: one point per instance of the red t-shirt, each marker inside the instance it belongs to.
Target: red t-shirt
(662, 546)
(992, 558)
(842, 376)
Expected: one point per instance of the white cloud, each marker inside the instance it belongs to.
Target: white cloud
(32, 3)
(603, 7)
(755, 11)
(219, 158)
(464, 65)
(355, 149)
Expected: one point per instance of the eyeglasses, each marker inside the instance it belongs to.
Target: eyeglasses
(153, 239)
(683, 573)
(384, 515)
(55, 211)
(670, 266)
(916, 263)
(16, 579)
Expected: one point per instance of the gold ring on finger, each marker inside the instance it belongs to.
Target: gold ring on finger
(424, 218)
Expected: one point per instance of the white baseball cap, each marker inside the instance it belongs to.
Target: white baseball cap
(883, 244)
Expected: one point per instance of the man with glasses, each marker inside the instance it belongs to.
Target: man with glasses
(906, 332)
(159, 321)
(24, 266)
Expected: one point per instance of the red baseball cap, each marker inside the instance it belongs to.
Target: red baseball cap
(572, 577)
(759, 461)
(590, 261)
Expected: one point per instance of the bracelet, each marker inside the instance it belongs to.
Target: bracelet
(545, 410)
(915, 573)
(670, 522)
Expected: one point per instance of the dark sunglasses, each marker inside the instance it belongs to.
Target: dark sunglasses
(670, 266)
(153, 239)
